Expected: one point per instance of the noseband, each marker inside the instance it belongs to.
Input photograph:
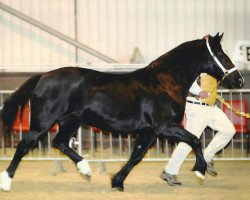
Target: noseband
(226, 72)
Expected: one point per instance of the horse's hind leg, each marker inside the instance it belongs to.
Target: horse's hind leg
(67, 127)
(144, 141)
(29, 141)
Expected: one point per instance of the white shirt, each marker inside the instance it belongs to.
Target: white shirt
(195, 89)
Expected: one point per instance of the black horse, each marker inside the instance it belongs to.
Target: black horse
(148, 102)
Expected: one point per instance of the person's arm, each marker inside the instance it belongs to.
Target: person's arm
(195, 89)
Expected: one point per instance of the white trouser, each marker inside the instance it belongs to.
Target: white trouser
(198, 117)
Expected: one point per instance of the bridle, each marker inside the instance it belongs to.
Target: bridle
(225, 71)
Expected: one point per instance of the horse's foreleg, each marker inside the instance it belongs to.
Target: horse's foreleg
(143, 143)
(182, 135)
(29, 141)
(61, 141)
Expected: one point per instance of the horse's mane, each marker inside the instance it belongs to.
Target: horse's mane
(157, 62)
(162, 59)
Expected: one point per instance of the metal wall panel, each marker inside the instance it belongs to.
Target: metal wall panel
(24, 43)
(115, 27)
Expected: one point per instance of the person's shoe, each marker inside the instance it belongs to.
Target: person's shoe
(210, 169)
(171, 179)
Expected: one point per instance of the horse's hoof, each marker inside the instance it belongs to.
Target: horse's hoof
(5, 181)
(87, 177)
(199, 177)
(117, 184)
(120, 189)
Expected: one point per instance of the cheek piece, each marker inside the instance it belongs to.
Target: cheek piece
(226, 72)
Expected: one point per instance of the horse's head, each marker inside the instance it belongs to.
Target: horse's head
(219, 64)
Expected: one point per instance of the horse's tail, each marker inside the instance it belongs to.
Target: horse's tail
(16, 100)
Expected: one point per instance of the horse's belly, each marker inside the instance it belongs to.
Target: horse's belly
(115, 122)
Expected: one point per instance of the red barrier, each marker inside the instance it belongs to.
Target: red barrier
(240, 123)
(22, 123)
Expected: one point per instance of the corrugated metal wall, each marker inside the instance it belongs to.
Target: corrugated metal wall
(115, 27)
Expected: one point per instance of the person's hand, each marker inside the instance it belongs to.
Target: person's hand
(204, 94)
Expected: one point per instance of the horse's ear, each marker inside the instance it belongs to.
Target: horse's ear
(218, 37)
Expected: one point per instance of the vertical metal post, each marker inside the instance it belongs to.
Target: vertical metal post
(39, 148)
(21, 131)
(120, 146)
(158, 148)
(92, 143)
(129, 145)
(167, 149)
(49, 145)
(101, 144)
(111, 145)
(79, 135)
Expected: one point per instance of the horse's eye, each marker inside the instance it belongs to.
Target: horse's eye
(220, 54)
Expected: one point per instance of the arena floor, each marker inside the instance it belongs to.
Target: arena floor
(34, 180)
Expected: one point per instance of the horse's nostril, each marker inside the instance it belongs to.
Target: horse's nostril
(241, 80)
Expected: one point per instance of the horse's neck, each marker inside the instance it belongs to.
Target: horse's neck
(183, 74)
(183, 69)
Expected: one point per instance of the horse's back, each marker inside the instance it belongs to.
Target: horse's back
(93, 95)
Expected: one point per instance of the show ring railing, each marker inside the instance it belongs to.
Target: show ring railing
(98, 145)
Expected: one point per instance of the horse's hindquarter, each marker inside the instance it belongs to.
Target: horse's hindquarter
(55, 95)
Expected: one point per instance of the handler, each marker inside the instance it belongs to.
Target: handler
(201, 112)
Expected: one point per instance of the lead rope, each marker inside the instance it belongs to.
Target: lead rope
(218, 83)
(228, 106)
